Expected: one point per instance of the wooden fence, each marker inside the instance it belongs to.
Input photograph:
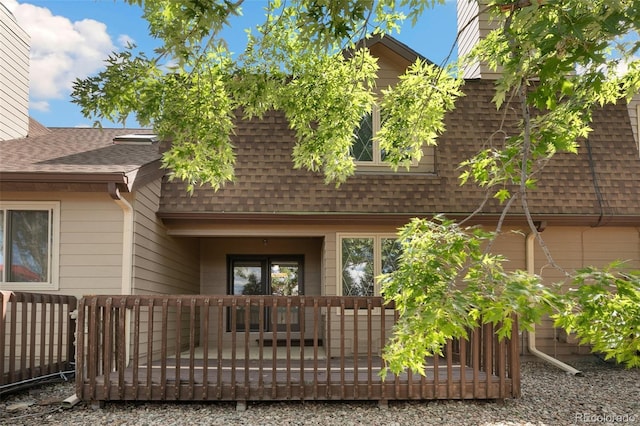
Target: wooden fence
(243, 348)
(36, 336)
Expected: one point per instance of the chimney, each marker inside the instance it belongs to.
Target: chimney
(472, 26)
(14, 77)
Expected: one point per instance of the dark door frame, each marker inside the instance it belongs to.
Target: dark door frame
(266, 262)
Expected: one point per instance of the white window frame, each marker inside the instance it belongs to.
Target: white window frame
(377, 256)
(638, 124)
(52, 282)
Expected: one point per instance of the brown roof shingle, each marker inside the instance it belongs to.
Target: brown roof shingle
(266, 183)
(75, 150)
(74, 156)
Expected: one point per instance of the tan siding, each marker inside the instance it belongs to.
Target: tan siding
(391, 65)
(90, 243)
(162, 264)
(466, 12)
(511, 244)
(573, 248)
(14, 78)
(330, 280)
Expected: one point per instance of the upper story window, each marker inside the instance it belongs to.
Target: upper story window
(362, 259)
(368, 155)
(28, 245)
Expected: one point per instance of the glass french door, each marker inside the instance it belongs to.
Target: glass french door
(266, 275)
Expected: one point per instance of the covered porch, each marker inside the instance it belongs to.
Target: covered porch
(195, 348)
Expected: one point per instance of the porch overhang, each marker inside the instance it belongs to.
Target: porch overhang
(200, 219)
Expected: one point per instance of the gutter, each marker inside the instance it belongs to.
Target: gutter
(127, 257)
(127, 239)
(531, 341)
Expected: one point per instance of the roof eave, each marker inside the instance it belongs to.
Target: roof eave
(64, 182)
(203, 218)
(81, 181)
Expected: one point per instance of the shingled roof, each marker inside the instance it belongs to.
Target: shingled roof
(75, 159)
(600, 185)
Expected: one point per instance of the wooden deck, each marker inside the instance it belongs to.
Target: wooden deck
(336, 380)
(186, 348)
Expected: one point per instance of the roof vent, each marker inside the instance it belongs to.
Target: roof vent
(135, 139)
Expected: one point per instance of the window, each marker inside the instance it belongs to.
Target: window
(362, 258)
(369, 156)
(267, 275)
(28, 245)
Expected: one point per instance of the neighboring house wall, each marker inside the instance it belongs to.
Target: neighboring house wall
(14, 77)
(87, 252)
(89, 242)
(473, 26)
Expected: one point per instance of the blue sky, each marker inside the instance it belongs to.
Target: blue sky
(71, 38)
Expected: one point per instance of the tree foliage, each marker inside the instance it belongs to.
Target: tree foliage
(294, 62)
(558, 60)
(603, 309)
(446, 284)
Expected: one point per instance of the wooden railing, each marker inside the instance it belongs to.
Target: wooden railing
(36, 336)
(299, 347)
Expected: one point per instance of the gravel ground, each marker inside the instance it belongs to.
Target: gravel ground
(605, 394)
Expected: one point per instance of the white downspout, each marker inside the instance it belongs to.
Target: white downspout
(529, 250)
(127, 256)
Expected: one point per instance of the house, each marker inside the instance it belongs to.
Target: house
(109, 222)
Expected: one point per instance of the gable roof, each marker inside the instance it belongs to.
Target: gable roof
(394, 45)
(598, 186)
(75, 159)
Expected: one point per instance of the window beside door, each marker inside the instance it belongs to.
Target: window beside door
(362, 258)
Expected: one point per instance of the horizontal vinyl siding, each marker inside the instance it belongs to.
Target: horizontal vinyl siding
(390, 66)
(162, 264)
(14, 78)
(480, 27)
(466, 12)
(90, 242)
(84, 258)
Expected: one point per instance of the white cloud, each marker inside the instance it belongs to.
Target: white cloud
(61, 50)
(124, 40)
(39, 105)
